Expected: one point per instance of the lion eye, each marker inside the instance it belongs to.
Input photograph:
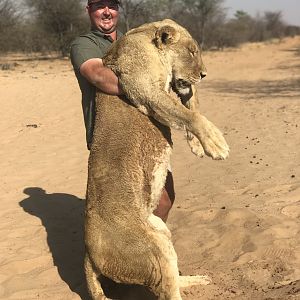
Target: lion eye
(192, 53)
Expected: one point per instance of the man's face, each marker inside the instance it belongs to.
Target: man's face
(104, 15)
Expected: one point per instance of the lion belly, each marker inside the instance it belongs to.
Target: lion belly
(129, 156)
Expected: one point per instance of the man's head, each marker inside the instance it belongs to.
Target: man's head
(104, 14)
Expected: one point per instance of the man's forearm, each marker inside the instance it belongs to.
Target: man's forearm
(100, 76)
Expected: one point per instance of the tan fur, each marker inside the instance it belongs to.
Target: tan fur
(130, 154)
(146, 59)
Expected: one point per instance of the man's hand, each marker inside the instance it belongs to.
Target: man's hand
(100, 76)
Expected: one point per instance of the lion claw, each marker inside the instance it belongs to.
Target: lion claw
(195, 145)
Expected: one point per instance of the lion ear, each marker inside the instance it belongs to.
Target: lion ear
(166, 35)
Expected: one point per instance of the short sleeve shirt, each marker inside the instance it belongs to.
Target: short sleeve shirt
(91, 45)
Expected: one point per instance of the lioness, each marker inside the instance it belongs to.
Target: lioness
(130, 154)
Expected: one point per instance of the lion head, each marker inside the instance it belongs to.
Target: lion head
(184, 53)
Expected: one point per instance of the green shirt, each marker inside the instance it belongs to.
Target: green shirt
(91, 45)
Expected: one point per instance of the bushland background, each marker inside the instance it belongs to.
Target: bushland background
(43, 26)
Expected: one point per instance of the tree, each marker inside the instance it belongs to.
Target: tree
(274, 24)
(7, 14)
(240, 28)
(198, 15)
(137, 12)
(131, 9)
(9, 21)
(60, 20)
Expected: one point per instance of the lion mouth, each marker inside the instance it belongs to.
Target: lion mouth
(180, 86)
(182, 89)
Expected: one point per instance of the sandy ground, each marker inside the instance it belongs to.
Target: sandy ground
(237, 221)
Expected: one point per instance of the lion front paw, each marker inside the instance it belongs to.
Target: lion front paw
(213, 141)
(215, 145)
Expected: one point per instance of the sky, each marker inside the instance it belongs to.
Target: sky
(290, 8)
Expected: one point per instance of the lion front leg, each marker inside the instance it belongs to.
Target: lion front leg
(191, 101)
(211, 141)
(169, 111)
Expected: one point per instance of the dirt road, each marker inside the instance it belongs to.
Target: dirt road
(237, 221)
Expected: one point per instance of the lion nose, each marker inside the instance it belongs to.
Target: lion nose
(203, 74)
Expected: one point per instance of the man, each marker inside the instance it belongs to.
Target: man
(86, 53)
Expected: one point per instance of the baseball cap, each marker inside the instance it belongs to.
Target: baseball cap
(95, 1)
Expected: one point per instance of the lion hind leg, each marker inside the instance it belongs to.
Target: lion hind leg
(159, 225)
(167, 261)
(93, 284)
(171, 279)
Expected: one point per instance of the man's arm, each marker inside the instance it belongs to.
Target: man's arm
(100, 76)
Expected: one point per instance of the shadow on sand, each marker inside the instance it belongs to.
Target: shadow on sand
(262, 89)
(62, 215)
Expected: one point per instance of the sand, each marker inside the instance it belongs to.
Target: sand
(237, 221)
